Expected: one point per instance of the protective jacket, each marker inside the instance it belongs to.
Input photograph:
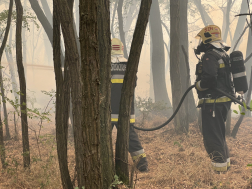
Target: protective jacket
(211, 72)
(118, 68)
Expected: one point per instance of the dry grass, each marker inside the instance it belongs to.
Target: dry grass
(175, 161)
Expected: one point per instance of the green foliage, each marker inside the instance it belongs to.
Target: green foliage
(116, 182)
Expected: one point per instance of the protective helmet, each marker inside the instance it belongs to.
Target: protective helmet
(212, 34)
(116, 47)
(209, 34)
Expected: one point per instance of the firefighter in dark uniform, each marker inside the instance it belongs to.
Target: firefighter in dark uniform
(213, 71)
(118, 68)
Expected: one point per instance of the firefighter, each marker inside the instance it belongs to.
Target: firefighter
(213, 71)
(118, 68)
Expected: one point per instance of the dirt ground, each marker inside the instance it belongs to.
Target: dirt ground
(175, 161)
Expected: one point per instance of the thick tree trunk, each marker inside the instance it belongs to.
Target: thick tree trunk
(180, 123)
(22, 83)
(121, 30)
(1, 77)
(75, 83)
(122, 142)
(62, 103)
(158, 56)
(107, 161)
(191, 110)
(90, 95)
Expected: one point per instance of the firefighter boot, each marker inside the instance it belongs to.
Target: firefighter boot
(142, 165)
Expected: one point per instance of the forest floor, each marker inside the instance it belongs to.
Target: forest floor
(175, 161)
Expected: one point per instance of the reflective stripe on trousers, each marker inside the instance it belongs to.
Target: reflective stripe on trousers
(114, 118)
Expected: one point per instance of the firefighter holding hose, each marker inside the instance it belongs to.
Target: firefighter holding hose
(213, 71)
(118, 68)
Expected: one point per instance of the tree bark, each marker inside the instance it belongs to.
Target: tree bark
(90, 72)
(191, 111)
(158, 56)
(121, 30)
(180, 123)
(122, 141)
(75, 83)
(22, 83)
(1, 77)
(62, 103)
(103, 16)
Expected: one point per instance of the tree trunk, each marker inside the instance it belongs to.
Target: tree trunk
(45, 23)
(2, 148)
(75, 83)
(158, 56)
(248, 63)
(62, 103)
(113, 19)
(121, 30)
(238, 123)
(226, 21)
(22, 83)
(1, 77)
(191, 110)
(91, 88)
(180, 123)
(122, 141)
(105, 93)
(204, 15)
(240, 24)
(228, 123)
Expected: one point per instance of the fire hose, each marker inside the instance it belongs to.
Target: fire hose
(233, 99)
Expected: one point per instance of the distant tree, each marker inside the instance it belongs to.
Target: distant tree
(158, 56)
(1, 76)
(22, 83)
(2, 149)
(122, 143)
(191, 111)
(121, 30)
(181, 124)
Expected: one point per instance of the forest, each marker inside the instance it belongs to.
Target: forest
(61, 62)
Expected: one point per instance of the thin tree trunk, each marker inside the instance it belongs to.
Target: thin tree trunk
(1, 77)
(108, 170)
(62, 103)
(122, 141)
(121, 30)
(158, 57)
(2, 148)
(180, 123)
(45, 23)
(75, 83)
(238, 123)
(228, 123)
(113, 19)
(22, 82)
(91, 88)
(191, 111)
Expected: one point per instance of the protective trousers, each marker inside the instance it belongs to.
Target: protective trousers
(213, 130)
(135, 148)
